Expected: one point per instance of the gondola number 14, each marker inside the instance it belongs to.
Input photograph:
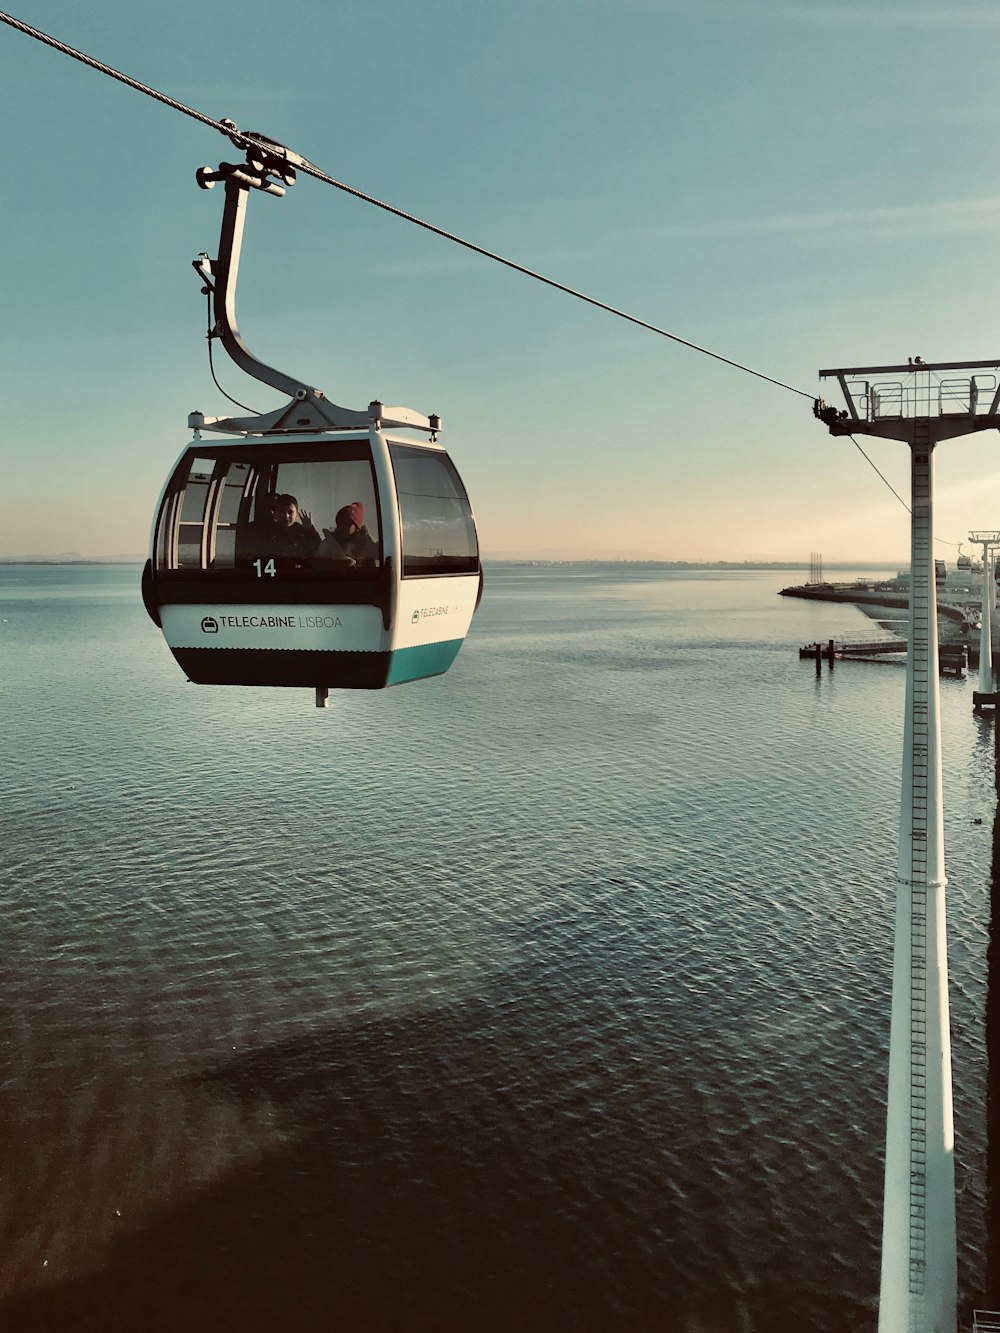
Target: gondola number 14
(269, 568)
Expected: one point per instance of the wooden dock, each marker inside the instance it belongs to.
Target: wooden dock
(952, 657)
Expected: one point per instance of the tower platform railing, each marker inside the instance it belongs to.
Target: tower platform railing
(878, 396)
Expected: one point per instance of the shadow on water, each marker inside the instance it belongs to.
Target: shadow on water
(392, 1206)
(476, 1166)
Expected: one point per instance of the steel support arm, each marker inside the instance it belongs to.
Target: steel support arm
(226, 272)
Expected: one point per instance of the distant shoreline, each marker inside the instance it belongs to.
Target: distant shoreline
(69, 564)
(702, 564)
(515, 561)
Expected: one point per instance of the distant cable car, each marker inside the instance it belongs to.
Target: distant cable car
(315, 546)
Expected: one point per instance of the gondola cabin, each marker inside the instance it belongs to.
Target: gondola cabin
(315, 545)
(332, 560)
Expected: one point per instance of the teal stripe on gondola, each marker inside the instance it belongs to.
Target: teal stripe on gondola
(425, 659)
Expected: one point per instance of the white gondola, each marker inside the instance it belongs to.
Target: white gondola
(315, 546)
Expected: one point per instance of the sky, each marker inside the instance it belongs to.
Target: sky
(791, 185)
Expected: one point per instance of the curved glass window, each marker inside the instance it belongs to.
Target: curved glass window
(439, 532)
(272, 512)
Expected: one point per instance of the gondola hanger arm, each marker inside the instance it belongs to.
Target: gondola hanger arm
(265, 158)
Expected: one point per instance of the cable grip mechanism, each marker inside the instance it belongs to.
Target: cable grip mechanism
(265, 157)
(270, 168)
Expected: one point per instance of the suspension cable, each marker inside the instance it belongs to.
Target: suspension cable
(941, 540)
(112, 73)
(891, 487)
(549, 282)
(226, 127)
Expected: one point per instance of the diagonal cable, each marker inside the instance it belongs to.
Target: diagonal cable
(226, 127)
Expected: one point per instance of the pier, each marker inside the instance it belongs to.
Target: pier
(953, 658)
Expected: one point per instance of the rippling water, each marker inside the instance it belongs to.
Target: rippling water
(552, 994)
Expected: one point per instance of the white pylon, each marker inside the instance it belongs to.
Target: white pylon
(918, 1292)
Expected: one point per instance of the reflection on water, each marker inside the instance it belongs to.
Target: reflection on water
(552, 994)
(992, 1031)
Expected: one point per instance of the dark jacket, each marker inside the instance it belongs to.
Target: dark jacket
(289, 548)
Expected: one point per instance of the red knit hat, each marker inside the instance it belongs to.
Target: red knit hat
(352, 513)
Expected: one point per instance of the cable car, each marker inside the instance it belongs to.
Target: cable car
(315, 546)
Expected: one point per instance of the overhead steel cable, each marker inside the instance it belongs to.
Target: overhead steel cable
(226, 127)
(549, 282)
(891, 487)
(941, 540)
(111, 72)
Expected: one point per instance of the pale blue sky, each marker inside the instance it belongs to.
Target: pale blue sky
(794, 185)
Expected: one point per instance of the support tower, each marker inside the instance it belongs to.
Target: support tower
(919, 404)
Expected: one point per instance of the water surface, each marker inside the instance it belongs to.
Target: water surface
(549, 994)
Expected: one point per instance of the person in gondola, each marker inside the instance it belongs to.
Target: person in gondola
(284, 534)
(348, 542)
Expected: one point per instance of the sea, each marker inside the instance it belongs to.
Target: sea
(548, 995)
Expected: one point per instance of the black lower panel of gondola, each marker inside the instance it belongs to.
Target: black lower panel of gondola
(284, 667)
